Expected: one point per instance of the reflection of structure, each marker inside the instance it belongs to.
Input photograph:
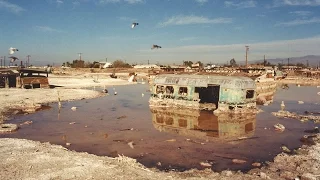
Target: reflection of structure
(203, 124)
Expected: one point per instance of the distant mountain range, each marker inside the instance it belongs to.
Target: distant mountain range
(313, 60)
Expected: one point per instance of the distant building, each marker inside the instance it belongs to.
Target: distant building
(147, 66)
(104, 65)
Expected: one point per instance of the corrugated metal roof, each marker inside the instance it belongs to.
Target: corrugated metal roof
(205, 80)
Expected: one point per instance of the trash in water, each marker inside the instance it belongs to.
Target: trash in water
(171, 140)
(205, 164)
(131, 129)
(26, 123)
(121, 117)
(68, 144)
(72, 123)
(105, 135)
(300, 102)
(74, 108)
(279, 127)
(238, 161)
(282, 106)
(131, 144)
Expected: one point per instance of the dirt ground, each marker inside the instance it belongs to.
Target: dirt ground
(26, 159)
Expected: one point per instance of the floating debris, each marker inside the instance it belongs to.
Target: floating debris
(105, 135)
(279, 127)
(72, 123)
(159, 163)
(68, 144)
(282, 106)
(142, 94)
(121, 117)
(300, 102)
(131, 144)
(238, 161)
(131, 129)
(318, 93)
(26, 123)
(171, 140)
(115, 93)
(205, 164)
(74, 108)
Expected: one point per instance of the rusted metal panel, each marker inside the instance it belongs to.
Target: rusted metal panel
(43, 81)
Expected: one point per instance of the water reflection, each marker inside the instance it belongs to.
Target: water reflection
(203, 124)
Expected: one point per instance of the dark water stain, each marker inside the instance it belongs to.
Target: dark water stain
(169, 138)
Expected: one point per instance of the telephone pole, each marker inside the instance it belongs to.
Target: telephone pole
(80, 56)
(288, 62)
(28, 60)
(247, 49)
(264, 60)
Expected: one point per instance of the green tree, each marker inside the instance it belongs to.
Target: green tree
(187, 63)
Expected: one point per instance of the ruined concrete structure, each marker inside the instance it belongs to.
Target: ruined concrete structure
(203, 92)
(9, 78)
(203, 124)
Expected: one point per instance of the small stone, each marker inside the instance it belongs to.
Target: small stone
(205, 164)
(256, 164)
(238, 161)
(68, 144)
(263, 175)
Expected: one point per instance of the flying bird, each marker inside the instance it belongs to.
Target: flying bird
(13, 59)
(134, 25)
(12, 50)
(154, 46)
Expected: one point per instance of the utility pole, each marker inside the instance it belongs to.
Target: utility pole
(106, 59)
(288, 62)
(28, 60)
(307, 63)
(80, 56)
(4, 61)
(264, 60)
(247, 49)
(148, 61)
(1, 61)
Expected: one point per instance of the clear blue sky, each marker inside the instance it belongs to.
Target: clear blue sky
(55, 31)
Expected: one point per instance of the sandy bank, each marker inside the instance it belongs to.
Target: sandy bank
(25, 159)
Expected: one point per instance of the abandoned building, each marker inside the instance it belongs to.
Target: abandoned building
(9, 78)
(203, 92)
(203, 124)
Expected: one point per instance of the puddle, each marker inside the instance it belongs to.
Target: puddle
(169, 138)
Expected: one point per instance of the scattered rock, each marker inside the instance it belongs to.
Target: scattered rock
(285, 149)
(256, 164)
(263, 175)
(238, 161)
(205, 164)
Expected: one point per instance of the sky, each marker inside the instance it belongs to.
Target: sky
(210, 31)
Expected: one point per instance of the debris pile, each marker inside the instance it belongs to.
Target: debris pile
(287, 114)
